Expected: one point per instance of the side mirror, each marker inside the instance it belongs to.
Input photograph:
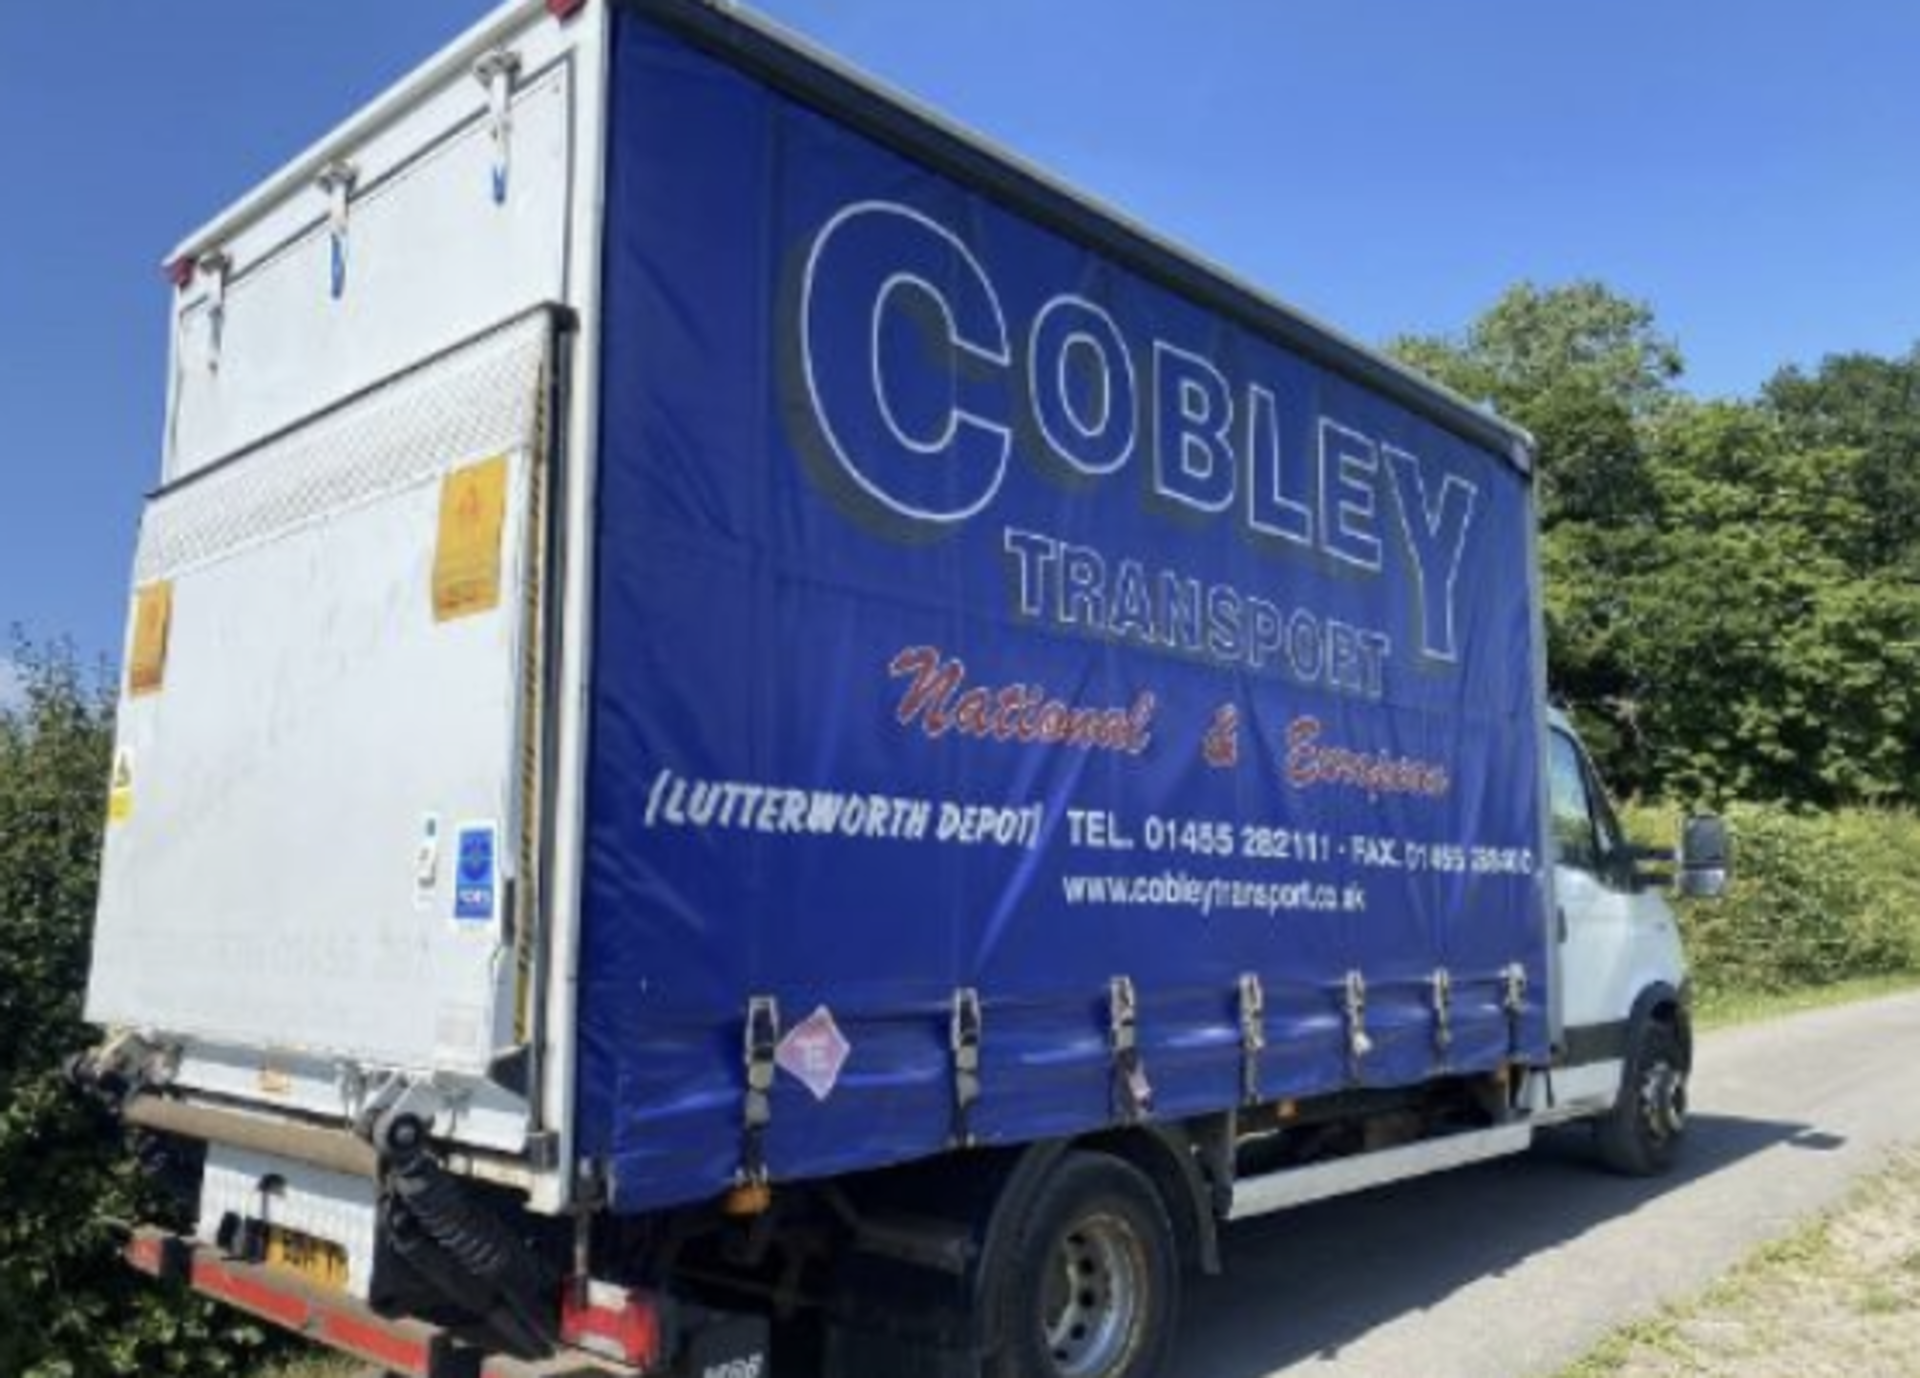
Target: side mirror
(1706, 857)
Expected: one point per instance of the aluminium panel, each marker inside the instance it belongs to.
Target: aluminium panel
(314, 840)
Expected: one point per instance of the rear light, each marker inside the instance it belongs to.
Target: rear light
(145, 1254)
(565, 9)
(180, 272)
(614, 1322)
(158, 1255)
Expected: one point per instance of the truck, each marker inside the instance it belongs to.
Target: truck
(748, 721)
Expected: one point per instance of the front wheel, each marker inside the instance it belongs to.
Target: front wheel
(1642, 1134)
(1092, 1287)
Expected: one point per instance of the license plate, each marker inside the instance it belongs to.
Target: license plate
(319, 1262)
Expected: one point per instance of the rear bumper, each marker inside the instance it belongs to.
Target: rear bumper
(411, 1348)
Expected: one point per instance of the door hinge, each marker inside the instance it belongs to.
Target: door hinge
(214, 266)
(496, 72)
(336, 182)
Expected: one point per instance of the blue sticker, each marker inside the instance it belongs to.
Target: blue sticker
(477, 876)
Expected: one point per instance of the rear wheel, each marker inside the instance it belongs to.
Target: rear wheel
(1091, 1288)
(1642, 1134)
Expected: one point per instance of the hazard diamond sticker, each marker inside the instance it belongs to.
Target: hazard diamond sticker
(813, 1052)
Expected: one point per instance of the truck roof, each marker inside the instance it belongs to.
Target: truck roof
(386, 109)
(790, 61)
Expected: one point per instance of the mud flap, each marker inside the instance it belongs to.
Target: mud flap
(731, 1346)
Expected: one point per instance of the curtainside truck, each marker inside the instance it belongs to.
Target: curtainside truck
(744, 717)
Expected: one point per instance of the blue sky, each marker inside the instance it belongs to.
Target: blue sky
(1749, 168)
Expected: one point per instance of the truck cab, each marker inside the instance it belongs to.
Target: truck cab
(1625, 1041)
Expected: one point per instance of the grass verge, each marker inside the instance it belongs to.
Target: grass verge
(313, 1366)
(1726, 1009)
(1840, 1295)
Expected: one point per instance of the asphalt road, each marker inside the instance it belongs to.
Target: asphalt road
(1517, 1267)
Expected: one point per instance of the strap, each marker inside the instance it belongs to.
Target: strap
(761, 1041)
(1132, 1092)
(964, 1039)
(1358, 1043)
(1442, 984)
(1253, 1036)
(1515, 1004)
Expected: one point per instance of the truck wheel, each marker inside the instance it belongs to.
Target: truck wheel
(1092, 1284)
(1641, 1135)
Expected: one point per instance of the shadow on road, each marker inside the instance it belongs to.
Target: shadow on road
(1303, 1284)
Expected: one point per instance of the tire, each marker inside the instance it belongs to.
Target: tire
(1643, 1133)
(1091, 1285)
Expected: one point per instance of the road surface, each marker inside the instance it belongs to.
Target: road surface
(1516, 1268)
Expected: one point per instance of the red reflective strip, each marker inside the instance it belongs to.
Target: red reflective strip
(374, 1342)
(280, 1307)
(634, 1329)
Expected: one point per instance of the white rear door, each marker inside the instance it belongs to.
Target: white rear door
(320, 817)
(326, 292)
(334, 673)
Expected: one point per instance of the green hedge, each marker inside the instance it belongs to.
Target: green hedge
(68, 1307)
(1816, 898)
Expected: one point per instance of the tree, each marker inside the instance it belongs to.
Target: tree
(1577, 365)
(1873, 405)
(1748, 658)
(68, 1307)
(1732, 606)
(1534, 339)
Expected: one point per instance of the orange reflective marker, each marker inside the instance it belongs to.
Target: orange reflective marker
(466, 561)
(152, 617)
